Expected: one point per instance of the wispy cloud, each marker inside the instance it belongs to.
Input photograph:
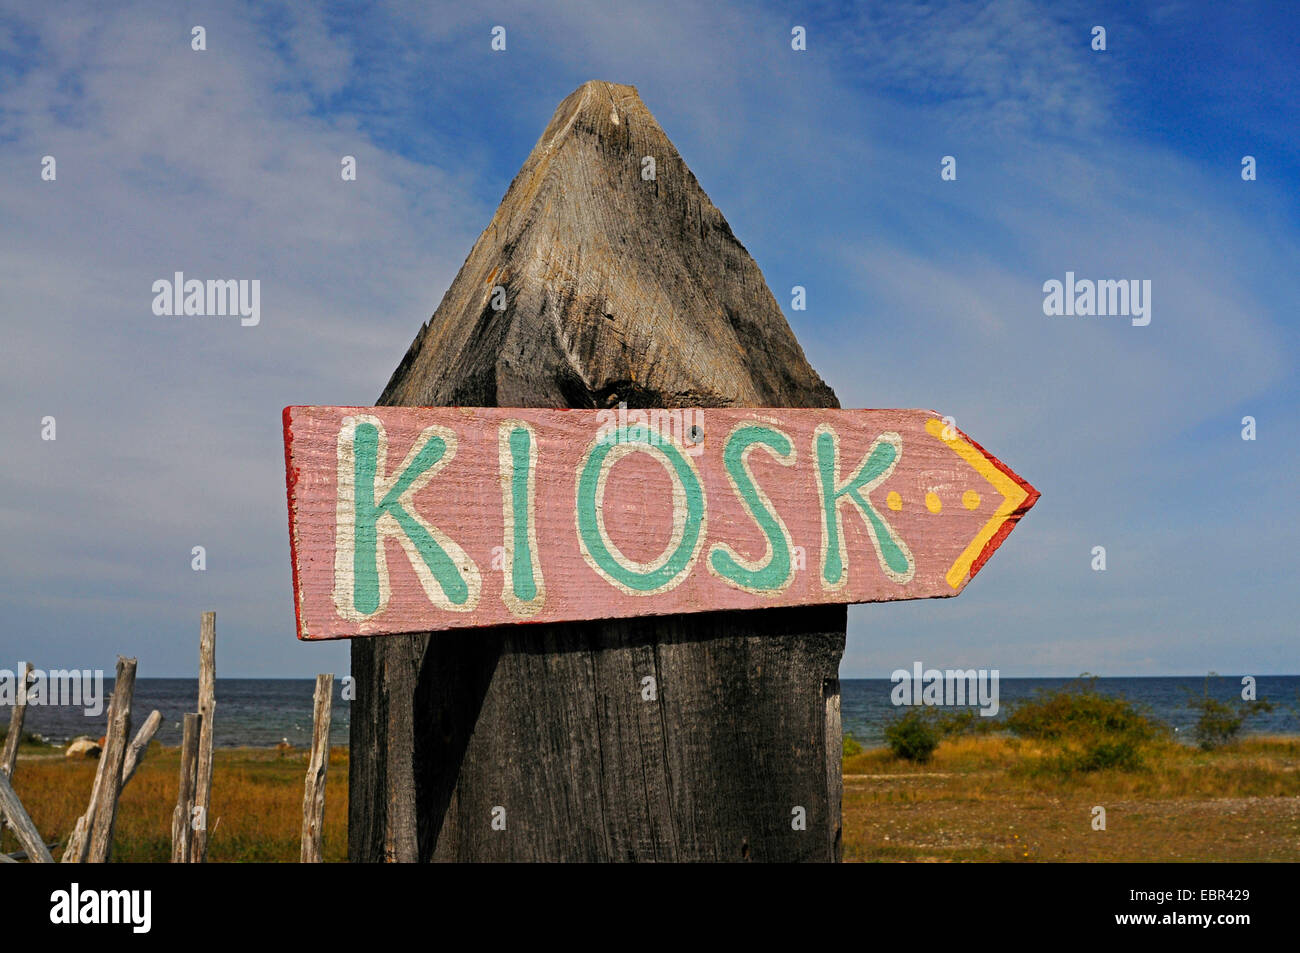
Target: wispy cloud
(1001, 66)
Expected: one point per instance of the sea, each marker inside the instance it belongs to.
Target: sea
(263, 712)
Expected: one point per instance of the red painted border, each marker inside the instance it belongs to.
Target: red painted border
(1005, 529)
(291, 476)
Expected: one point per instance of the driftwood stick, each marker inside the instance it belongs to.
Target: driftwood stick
(22, 824)
(104, 815)
(182, 817)
(74, 851)
(17, 855)
(140, 745)
(207, 704)
(313, 801)
(9, 758)
(77, 848)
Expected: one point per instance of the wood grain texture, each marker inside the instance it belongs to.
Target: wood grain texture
(313, 800)
(74, 852)
(567, 515)
(102, 816)
(183, 813)
(140, 745)
(616, 287)
(207, 708)
(599, 772)
(107, 774)
(9, 757)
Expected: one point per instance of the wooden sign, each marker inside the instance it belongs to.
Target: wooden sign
(416, 519)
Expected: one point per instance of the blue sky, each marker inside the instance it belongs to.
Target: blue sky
(1115, 164)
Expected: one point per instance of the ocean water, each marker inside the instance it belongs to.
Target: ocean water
(262, 712)
(251, 712)
(865, 705)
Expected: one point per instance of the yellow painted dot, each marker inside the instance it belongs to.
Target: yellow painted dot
(971, 500)
(932, 502)
(894, 501)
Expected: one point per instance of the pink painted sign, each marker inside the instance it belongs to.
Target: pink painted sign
(417, 519)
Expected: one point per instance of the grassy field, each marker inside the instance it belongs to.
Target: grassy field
(256, 803)
(980, 798)
(997, 798)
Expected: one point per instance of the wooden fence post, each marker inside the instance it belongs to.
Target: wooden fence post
(28, 835)
(595, 286)
(12, 806)
(104, 813)
(9, 758)
(183, 815)
(76, 850)
(313, 801)
(108, 776)
(140, 745)
(207, 706)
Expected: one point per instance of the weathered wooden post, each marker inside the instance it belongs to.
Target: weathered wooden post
(12, 811)
(114, 755)
(11, 808)
(183, 814)
(92, 836)
(140, 745)
(677, 728)
(9, 758)
(207, 708)
(617, 288)
(313, 799)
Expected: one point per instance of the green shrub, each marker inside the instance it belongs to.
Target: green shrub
(952, 723)
(1219, 723)
(912, 737)
(1096, 732)
(1122, 754)
(1119, 754)
(1080, 712)
(851, 746)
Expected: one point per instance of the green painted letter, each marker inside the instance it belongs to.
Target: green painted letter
(891, 552)
(688, 526)
(522, 590)
(774, 572)
(361, 588)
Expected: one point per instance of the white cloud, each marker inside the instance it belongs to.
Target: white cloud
(208, 163)
(1008, 65)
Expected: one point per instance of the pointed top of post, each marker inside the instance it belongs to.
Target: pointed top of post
(607, 275)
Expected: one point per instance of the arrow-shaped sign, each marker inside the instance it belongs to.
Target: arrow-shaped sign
(406, 519)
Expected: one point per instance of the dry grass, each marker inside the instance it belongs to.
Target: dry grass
(981, 798)
(256, 804)
(1000, 798)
